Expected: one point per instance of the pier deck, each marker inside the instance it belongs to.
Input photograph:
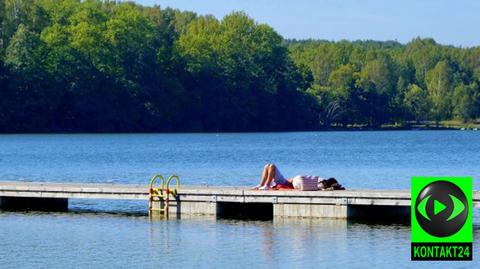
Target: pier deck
(214, 200)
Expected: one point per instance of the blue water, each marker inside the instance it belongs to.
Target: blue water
(121, 236)
(358, 159)
(121, 241)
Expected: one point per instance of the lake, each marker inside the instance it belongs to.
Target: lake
(119, 235)
(384, 159)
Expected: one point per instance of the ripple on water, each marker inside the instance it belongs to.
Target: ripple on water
(105, 240)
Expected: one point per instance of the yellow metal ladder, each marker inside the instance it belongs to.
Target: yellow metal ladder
(162, 195)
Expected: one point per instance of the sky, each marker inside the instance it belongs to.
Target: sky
(449, 22)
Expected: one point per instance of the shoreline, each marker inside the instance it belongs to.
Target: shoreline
(465, 127)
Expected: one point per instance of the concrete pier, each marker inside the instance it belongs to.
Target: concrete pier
(221, 201)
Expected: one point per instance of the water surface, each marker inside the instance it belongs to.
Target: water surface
(121, 241)
(121, 236)
(358, 159)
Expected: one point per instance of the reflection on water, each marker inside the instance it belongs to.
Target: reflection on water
(46, 240)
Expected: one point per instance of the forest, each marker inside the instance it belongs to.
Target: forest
(105, 66)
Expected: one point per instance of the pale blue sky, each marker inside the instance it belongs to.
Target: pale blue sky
(448, 21)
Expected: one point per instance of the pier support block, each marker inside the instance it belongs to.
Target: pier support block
(194, 208)
(34, 204)
(369, 212)
(310, 211)
(179, 209)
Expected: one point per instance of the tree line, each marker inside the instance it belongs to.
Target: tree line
(374, 83)
(103, 66)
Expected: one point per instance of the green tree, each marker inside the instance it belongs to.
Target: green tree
(417, 103)
(345, 92)
(70, 65)
(241, 70)
(439, 83)
(423, 54)
(28, 95)
(24, 52)
(377, 79)
(466, 102)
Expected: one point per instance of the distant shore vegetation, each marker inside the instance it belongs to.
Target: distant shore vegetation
(104, 66)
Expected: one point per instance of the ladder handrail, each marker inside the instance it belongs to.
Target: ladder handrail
(162, 193)
(154, 178)
(177, 180)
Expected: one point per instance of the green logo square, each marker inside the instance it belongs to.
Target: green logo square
(441, 213)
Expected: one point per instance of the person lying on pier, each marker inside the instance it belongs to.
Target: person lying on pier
(271, 174)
